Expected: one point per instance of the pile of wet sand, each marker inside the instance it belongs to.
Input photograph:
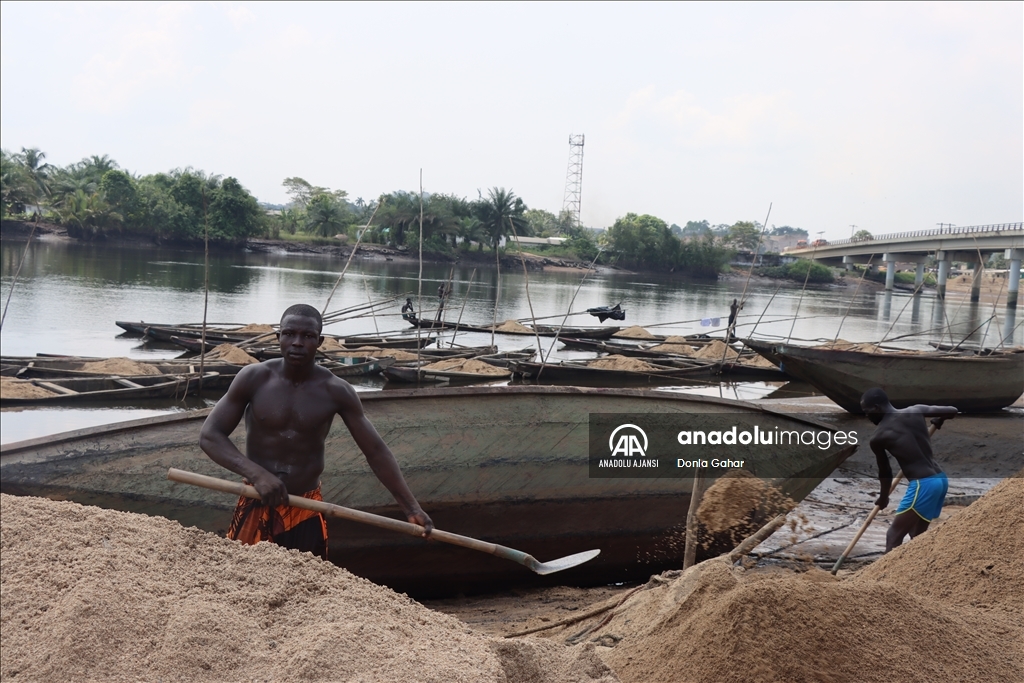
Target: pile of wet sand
(331, 344)
(513, 326)
(471, 365)
(715, 351)
(736, 499)
(757, 362)
(92, 594)
(946, 606)
(634, 332)
(19, 388)
(255, 328)
(373, 351)
(119, 366)
(615, 362)
(229, 353)
(680, 349)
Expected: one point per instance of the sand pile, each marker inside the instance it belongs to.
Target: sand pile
(615, 362)
(714, 351)
(19, 388)
(757, 361)
(680, 349)
(331, 344)
(843, 345)
(737, 502)
(229, 353)
(976, 558)
(676, 339)
(91, 594)
(374, 352)
(471, 365)
(513, 326)
(255, 328)
(634, 332)
(119, 366)
(715, 623)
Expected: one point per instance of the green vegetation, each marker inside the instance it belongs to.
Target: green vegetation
(644, 241)
(799, 270)
(877, 275)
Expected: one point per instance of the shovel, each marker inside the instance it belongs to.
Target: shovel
(330, 510)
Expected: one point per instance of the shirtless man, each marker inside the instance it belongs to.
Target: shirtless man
(289, 404)
(904, 434)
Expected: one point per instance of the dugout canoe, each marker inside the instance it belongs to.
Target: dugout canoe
(504, 464)
(971, 383)
(541, 330)
(413, 375)
(111, 389)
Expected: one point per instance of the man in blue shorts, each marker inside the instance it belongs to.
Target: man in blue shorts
(904, 435)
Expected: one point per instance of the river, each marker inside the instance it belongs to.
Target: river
(68, 296)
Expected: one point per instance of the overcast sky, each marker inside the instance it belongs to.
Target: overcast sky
(887, 116)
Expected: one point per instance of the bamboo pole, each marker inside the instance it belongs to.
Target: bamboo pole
(690, 550)
(206, 292)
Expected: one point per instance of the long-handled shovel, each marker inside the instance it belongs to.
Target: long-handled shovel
(330, 510)
(874, 512)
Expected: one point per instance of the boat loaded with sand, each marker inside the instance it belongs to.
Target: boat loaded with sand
(517, 328)
(970, 382)
(504, 464)
(112, 389)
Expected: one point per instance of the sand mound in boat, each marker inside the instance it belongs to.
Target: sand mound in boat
(469, 365)
(119, 366)
(714, 351)
(19, 388)
(92, 594)
(229, 353)
(616, 362)
(255, 328)
(679, 349)
(331, 344)
(513, 326)
(634, 332)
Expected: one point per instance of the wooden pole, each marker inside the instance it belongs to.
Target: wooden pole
(690, 551)
(206, 292)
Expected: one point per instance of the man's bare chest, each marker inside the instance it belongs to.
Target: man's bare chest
(281, 407)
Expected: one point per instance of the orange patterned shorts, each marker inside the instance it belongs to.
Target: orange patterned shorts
(291, 527)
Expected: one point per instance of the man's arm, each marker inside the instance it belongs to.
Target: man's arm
(939, 414)
(379, 456)
(215, 440)
(884, 473)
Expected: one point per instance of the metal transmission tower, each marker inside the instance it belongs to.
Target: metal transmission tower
(574, 179)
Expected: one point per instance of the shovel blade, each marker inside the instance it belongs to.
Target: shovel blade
(566, 562)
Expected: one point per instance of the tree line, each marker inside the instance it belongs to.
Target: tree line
(95, 199)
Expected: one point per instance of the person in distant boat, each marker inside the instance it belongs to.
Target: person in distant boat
(289, 404)
(408, 310)
(904, 435)
(734, 310)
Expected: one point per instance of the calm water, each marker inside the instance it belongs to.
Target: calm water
(69, 295)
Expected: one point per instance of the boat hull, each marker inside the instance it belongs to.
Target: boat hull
(507, 465)
(968, 382)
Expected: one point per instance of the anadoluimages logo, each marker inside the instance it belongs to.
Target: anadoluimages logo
(628, 443)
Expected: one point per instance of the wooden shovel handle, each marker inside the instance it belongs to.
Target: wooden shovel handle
(331, 510)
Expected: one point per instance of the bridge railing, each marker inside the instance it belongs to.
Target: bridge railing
(951, 230)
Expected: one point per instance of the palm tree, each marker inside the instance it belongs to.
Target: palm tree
(499, 212)
(326, 216)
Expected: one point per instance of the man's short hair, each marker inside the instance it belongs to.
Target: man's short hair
(874, 398)
(306, 311)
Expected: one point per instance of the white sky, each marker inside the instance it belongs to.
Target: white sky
(888, 116)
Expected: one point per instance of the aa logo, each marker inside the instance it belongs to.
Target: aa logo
(628, 442)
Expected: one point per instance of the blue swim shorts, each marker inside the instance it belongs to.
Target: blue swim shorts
(925, 496)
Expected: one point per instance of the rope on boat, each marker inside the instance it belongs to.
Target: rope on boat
(17, 270)
(206, 294)
(544, 358)
(743, 295)
(461, 310)
(359, 238)
(853, 298)
(526, 277)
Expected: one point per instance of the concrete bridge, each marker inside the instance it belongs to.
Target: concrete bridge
(972, 244)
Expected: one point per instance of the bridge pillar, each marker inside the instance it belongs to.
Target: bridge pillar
(1013, 281)
(919, 277)
(890, 271)
(942, 258)
(979, 271)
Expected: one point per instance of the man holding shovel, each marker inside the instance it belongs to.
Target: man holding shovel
(289, 405)
(904, 435)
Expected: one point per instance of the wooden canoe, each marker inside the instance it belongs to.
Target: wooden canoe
(413, 375)
(969, 382)
(113, 389)
(541, 330)
(504, 464)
